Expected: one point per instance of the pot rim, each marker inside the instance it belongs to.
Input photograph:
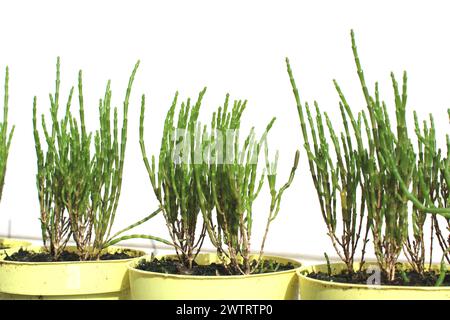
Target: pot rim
(64, 263)
(131, 268)
(300, 273)
(15, 242)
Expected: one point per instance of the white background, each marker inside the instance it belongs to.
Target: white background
(231, 46)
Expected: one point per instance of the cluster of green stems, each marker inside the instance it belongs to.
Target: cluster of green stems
(207, 180)
(367, 180)
(79, 173)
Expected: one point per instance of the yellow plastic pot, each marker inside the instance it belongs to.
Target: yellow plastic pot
(106, 279)
(6, 243)
(312, 289)
(145, 285)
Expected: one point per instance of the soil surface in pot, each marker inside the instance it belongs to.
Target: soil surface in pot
(29, 256)
(408, 278)
(173, 266)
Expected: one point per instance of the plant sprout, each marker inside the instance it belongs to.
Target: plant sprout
(232, 185)
(79, 188)
(174, 181)
(5, 136)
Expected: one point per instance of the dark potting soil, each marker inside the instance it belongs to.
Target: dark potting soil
(173, 266)
(409, 278)
(29, 256)
(119, 255)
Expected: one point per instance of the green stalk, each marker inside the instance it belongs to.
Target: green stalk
(5, 136)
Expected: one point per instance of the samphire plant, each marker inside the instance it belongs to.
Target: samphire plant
(173, 179)
(209, 172)
(431, 194)
(5, 134)
(228, 183)
(79, 174)
(398, 169)
(388, 210)
(378, 166)
(336, 176)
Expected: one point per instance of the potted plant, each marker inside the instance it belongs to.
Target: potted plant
(369, 193)
(209, 174)
(79, 178)
(5, 142)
